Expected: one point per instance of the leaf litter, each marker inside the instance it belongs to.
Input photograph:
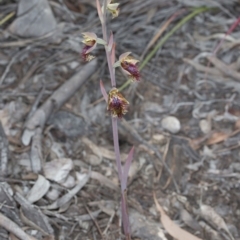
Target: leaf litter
(60, 180)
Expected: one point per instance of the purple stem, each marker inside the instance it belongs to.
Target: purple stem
(116, 147)
(113, 81)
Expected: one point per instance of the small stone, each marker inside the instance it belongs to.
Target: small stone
(171, 124)
(205, 126)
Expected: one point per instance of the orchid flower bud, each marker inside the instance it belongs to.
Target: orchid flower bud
(113, 8)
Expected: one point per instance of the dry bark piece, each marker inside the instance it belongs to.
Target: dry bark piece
(39, 189)
(34, 19)
(58, 169)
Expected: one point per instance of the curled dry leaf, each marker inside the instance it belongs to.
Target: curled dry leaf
(58, 169)
(39, 189)
(174, 230)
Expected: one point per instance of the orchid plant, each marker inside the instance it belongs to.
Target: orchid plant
(117, 105)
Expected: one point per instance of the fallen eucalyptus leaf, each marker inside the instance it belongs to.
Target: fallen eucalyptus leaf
(39, 189)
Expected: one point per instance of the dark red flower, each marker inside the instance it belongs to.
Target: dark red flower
(132, 69)
(129, 66)
(117, 104)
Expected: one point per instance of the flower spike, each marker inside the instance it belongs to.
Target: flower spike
(117, 104)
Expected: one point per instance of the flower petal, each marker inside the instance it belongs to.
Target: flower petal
(124, 55)
(90, 35)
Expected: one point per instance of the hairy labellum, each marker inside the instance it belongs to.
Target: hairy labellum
(132, 69)
(117, 104)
